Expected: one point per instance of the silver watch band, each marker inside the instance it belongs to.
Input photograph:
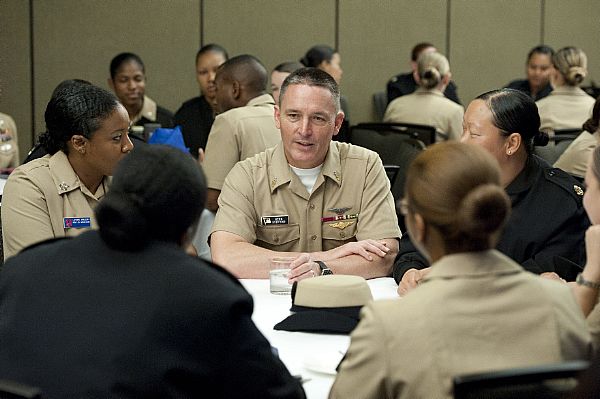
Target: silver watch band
(587, 283)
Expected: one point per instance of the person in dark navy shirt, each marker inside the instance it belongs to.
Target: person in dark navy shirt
(124, 312)
(538, 68)
(196, 116)
(548, 223)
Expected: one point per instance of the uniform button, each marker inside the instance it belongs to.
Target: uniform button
(314, 237)
(312, 206)
(342, 234)
(551, 173)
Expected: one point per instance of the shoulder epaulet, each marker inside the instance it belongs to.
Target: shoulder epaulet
(565, 181)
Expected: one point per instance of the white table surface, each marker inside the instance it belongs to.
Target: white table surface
(304, 353)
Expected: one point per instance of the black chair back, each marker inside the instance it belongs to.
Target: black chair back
(557, 144)
(380, 104)
(539, 382)
(424, 133)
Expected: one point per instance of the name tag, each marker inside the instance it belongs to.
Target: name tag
(280, 219)
(77, 223)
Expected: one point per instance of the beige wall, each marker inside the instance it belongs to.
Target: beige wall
(488, 41)
(15, 64)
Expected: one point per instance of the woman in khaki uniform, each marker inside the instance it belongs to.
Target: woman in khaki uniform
(476, 310)
(54, 196)
(427, 105)
(567, 107)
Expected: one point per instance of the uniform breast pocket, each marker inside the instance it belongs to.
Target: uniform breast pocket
(338, 233)
(278, 238)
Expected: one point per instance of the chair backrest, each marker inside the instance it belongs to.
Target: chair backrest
(380, 103)
(424, 133)
(539, 382)
(392, 173)
(557, 144)
(395, 147)
(14, 390)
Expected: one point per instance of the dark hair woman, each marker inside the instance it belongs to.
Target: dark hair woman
(128, 81)
(196, 116)
(476, 310)
(124, 312)
(538, 69)
(54, 196)
(548, 222)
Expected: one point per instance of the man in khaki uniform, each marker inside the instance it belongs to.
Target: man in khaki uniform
(244, 126)
(308, 194)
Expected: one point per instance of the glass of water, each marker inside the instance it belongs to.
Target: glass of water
(278, 275)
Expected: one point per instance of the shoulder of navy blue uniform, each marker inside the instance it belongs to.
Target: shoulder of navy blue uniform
(566, 182)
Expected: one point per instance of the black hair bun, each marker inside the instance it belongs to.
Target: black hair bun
(541, 139)
(122, 224)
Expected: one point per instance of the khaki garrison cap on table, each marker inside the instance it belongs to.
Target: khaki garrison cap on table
(327, 304)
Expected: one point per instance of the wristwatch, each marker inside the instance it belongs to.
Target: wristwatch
(587, 283)
(325, 270)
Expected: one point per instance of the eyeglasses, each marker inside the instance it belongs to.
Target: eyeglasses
(316, 120)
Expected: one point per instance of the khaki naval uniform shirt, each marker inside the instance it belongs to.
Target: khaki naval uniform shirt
(264, 201)
(239, 134)
(577, 155)
(428, 107)
(567, 107)
(148, 111)
(474, 312)
(36, 198)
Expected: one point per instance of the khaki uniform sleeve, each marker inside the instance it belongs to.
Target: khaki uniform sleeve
(364, 371)
(456, 119)
(237, 213)
(377, 219)
(25, 216)
(222, 152)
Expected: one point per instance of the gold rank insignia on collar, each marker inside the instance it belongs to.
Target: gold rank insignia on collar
(63, 186)
(337, 175)
(578, 190)
(341, 225)
(273, 182)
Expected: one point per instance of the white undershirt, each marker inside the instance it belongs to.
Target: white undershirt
(308, 177)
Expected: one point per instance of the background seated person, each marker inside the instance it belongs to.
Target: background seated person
(567, 107)
(128, 81)
(54, 196)
(278, 75)
(577, 155)
(244, 126)
(537, 69)
(196, 116)
(308, 194)
(125, 312)
(406, 83)
(477, 310)
(547, 219)
(427, 105)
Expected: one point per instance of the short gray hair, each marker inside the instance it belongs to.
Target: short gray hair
(312, 77)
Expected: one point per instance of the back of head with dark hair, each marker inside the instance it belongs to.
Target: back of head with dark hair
(75, 108)
(157, 193)
(456, 188)
(418, 49)
(312, 77)
(212, 48)
(316, 55)
(541, 49)
(124, 58)
(246, 69)
(593, 124)
(515, 112)
(288, 67)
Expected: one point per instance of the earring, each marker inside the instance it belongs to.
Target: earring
(509, 152)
